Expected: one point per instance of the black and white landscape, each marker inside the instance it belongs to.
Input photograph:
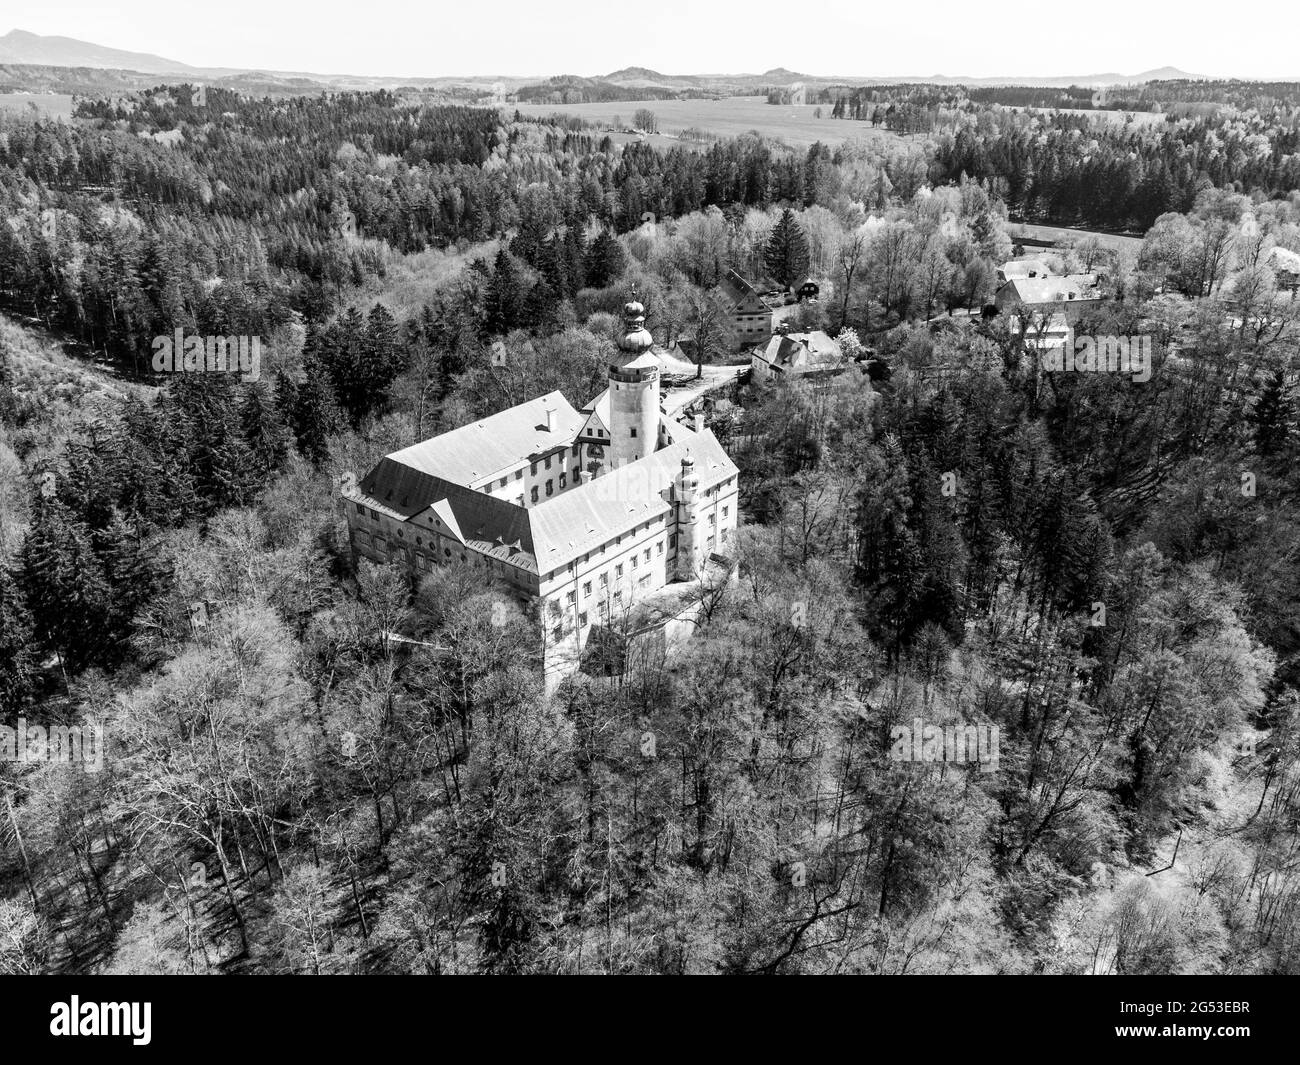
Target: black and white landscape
(492, 492)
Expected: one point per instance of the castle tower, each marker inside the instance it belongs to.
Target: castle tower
(688, 521)
(633, 391)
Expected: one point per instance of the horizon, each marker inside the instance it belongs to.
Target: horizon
(325, 39)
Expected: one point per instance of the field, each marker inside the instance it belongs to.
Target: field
(730, 117)
(48, 104)
(1059, 234)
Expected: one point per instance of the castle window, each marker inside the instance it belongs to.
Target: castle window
(447, 551)
(564, 478)
(558, 633)
(725, 511)
(361, 510)
(586, 589)
(633, 430)
(534, 493)
(582, 619)
(634, 562)
(519, 475)
(548, 462)
(647, 554)
(570, 597)
(618, 571)
(550, 487)
(604, 580)
(533, 468)
(575, 451)
(503, 482)
(672, 540)
(660, 546)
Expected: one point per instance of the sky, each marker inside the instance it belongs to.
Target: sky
(432, 38)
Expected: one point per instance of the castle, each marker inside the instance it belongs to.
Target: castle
(587, 515)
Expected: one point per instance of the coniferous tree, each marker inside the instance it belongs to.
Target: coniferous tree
(17, 662)
(504, 295)
(786, 254)
(1272, 414)
(606, 260)
(263, 428)
(316, 416)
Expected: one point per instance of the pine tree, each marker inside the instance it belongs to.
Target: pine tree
(503, 297)
(606, 260)
(1271, 416)
(67, 593)
(786, 255)
(264, 429)
(17, 665)
(316, 415)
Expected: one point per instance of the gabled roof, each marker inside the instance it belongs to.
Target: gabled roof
(585, 517)
(1023, 268)
(597, 416)
(734, 290)
(791, 351)
(1055, 289)
(481, 450)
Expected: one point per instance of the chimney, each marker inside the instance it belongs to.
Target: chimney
(550, 420)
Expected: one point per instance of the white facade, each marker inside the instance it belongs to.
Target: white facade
(630, 503)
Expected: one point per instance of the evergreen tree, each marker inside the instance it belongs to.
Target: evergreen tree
(1271, 416)
(606, 260)
(786, 254)
(264, 429)
(66, 590)
(316, 415)
(17, 664)
(504, 294)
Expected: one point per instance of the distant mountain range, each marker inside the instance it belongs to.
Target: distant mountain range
(20, 49)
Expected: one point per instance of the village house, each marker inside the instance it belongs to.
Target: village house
(1071, 295)
(747, 309)
(795, 354)
(1285, 265)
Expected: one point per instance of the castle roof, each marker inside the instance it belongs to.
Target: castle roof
(479, 451)
(550, 534)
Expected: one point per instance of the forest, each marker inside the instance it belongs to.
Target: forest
(1101, 569)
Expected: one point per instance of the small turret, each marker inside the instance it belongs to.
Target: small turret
(688, 525)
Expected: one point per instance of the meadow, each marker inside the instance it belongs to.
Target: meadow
(730, 117)
(47, 104)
